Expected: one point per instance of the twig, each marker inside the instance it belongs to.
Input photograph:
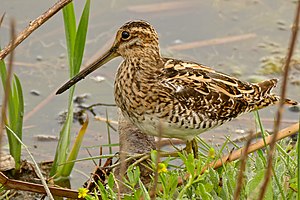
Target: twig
(1, 19)
(98, 104)
(141, 158)
(40, 175)
(33, 25)
(253, 147)
(33, 187)
(118, 187)
(161, 7)
(215, 41)
(92, 156)
(239, 182)
(153, 190)
(123, 161)
(140, 161)
(108, 133)
(282, 101)
(99, 118)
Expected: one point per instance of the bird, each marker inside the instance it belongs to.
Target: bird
(174, 98)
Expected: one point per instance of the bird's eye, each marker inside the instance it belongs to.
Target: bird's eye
(125, 35)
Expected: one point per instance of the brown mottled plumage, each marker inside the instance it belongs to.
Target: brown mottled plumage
(176, 98)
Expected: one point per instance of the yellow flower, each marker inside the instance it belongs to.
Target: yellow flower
(161, 168)
(82, 192)
(211, 153)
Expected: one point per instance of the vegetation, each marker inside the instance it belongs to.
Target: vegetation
(14, 118)
(199, 182)
(75, 44)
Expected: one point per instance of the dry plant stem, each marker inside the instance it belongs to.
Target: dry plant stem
(39, 173)
(33, 187)
(242, 168)
(153, 190)
(122, 172)
(118, 189)
(122, 155)
(215, 41)
(253, 147)
(282, 100)
(1, 19)
(99, 104)
(143, 157)
(131, 158)
(33, 25)
(7, 85)
(160, 7)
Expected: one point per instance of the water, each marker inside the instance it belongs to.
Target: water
(41, 61)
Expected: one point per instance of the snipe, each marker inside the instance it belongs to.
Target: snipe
(171, 97)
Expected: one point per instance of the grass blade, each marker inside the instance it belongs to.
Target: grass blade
(70, 31)
(75, 39)
(81, 38)
(14, 117)
(67, 168)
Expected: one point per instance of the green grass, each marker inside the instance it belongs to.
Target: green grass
(75, 39)
(298, 163)
(14, 116)
(214, 183)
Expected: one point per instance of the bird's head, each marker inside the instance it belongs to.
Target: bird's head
(135, 39)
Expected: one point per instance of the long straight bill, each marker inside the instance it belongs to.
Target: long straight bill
(107, 56)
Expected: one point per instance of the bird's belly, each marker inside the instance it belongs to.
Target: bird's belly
(160, 127)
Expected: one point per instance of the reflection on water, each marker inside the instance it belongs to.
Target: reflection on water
(203, 31)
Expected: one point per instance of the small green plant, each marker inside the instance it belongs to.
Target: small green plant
(296, 183)
(211, 184)
(75, 38)
(15, 113)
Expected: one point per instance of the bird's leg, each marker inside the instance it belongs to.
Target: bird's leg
(188, 147)
(192, 147)
(195, 147)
